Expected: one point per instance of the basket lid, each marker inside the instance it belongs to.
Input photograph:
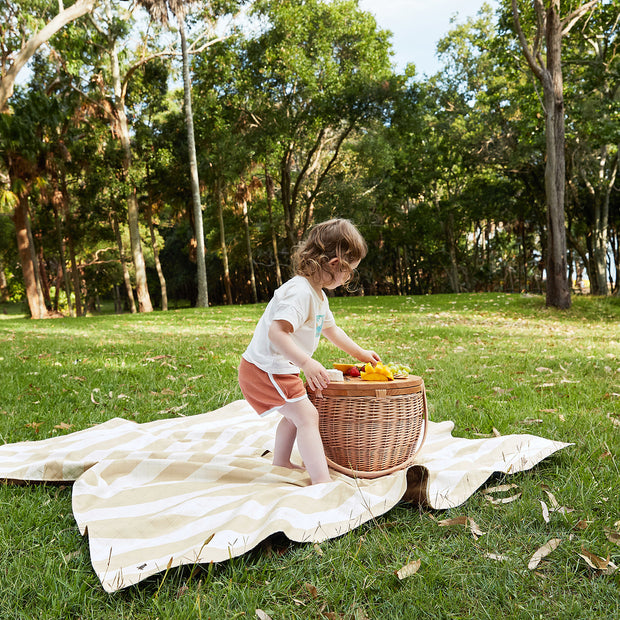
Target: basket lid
(355, 386)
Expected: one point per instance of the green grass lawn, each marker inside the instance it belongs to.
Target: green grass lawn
(491, 363)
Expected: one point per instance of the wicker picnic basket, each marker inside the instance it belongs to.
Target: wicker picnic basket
(372, 428)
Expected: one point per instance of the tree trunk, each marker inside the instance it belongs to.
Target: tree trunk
(142, 291)
(287, 206)
(38, 274)
(75, 273)
(614, 242)
(63, 261)
(203, 297)
(248, 243)
(270, 192)
(558, 289)
(447, 225)
(551, 29)
(121, 254)
(4, 286)
(43, 278)
(600, 239)
(28, 260)
(220, 218)
(160, 272)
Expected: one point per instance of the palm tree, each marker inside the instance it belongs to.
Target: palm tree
(158, 9)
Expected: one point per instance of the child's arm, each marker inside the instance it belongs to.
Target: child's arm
(337, 336)
(280, 334)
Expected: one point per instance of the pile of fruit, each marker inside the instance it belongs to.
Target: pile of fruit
(380, 372)
(399, 370)
(377, 373)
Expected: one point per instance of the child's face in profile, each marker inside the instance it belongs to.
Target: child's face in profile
(340, 274)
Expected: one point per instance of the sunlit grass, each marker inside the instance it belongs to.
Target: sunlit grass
(491, 363)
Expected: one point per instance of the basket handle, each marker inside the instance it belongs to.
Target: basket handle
(380, 393)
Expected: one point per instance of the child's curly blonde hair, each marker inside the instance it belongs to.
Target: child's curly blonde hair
(337, 238)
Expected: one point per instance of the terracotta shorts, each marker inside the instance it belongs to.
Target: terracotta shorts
(267, 392)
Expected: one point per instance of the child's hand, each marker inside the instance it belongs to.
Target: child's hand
(366, 355)
(316, 375)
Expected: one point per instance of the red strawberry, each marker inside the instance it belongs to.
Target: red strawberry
(354, 371)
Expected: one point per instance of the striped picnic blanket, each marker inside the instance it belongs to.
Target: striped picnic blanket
(202, 489)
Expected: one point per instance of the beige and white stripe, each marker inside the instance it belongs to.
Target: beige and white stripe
(201, 489)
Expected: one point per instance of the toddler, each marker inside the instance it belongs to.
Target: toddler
(287, 336)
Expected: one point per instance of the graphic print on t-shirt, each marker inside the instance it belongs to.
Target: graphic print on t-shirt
(319, 324)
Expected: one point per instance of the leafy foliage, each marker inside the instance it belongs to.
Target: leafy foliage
(443, 174)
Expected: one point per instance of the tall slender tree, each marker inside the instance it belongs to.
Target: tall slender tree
(550, 29)
(109, 29)
(158, 9)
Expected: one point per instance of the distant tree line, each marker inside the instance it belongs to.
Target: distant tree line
(159, 151)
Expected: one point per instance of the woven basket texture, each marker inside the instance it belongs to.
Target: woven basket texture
(369, 436)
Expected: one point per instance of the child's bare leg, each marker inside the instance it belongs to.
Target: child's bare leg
(285, 438)
(305, 418)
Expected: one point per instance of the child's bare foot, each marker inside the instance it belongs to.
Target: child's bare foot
(288, 465)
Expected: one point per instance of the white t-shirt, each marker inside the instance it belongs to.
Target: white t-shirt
(297, 302)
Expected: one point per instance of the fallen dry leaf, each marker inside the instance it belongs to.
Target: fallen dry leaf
(474, 529)
(156, 358)
(501, 489)
(261, 615)
(67, 558)
(173, 410)
(597, 563)
(614, 420)
(311, 589)
(612, 535)
(545, 511)
(409, 569)
(499, 391)
(542, 552)
(465, 521)
(555, 506)
(503, 500)
(496, 556)
(63, 426)
(318, 549)
(554, 502)
(462, 520)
